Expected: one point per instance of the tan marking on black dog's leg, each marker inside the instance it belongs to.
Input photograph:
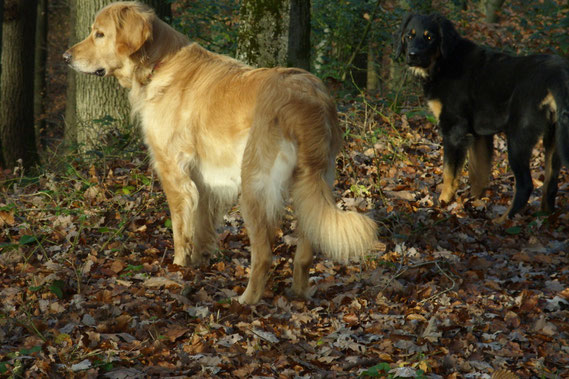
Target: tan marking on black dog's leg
(552, 168)
(500, 220)
(436, 107)
(450, 182)
(480, 164)
(454, 157)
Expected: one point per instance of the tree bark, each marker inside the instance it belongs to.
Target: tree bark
(492, 8)
(17, 135)
(40, 67)
(299, 35)
(263, 32)
(97, 107)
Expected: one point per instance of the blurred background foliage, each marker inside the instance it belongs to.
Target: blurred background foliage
(337, 29)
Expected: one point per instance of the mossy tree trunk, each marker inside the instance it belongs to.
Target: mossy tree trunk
(274, 33)
(17, 136)
(263, 32)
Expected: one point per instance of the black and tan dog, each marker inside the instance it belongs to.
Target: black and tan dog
(475, 93)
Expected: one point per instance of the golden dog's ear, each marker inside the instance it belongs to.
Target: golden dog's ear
(134, 28)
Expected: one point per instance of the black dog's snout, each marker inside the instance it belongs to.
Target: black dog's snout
(67, 57)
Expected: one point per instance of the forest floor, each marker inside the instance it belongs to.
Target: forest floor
(88, 287)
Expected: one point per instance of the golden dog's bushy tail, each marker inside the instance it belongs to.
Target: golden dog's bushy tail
(342, 235)
(310, 115)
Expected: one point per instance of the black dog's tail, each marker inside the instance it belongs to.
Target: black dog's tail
(561, 96)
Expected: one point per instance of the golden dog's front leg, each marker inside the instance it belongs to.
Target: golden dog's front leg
(182, 196)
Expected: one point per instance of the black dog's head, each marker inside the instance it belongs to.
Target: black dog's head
(425, 39)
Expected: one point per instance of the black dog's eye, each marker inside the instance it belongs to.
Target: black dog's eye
(99, 35)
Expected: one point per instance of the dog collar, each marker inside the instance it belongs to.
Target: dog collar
(156, 66)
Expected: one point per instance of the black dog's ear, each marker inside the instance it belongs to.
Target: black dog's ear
(398, 37)
(449, 35)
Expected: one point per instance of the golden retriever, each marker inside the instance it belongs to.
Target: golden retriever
(218, 129)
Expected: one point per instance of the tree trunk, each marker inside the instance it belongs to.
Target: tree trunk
(492, 7)
(263, 32)
(372, 82)
(299, 35)
(40, 67)
(17, 135)
(162, 9)
(97, 107)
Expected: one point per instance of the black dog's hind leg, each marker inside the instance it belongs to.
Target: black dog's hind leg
(480, 163)
(519, 154)
(552, 168)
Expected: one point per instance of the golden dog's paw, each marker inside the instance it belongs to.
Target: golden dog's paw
(250, 297)
(446, 198)
(181, 260)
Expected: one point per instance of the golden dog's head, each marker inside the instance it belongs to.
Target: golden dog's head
(120, 30)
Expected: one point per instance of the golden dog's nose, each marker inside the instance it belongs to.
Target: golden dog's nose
(67, 57)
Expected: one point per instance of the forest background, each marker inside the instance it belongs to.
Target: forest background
(86, 277)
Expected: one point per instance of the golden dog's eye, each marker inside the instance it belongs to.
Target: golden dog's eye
(99, 35)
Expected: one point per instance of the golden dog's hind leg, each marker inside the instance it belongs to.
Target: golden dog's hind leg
(261, 234)
(302, 262)
(480, 164)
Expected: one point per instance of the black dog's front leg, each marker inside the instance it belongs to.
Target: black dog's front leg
(456, 141)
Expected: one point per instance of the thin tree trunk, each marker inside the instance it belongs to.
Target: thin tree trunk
(372, 82)
(40, 67)
(17, 134)
(299, 35)
(492, 7)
